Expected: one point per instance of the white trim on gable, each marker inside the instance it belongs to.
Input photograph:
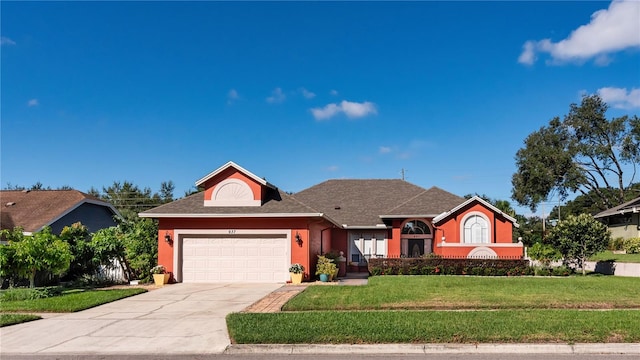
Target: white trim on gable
(246, 172)
(444, 215)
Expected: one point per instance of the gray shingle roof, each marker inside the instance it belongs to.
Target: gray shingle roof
(345, 202)
(276, 202)
(622, 208)
(361, 202)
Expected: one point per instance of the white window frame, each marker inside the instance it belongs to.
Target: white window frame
(486, 235)
(358, 242)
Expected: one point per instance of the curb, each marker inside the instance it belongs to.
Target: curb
(305, 349)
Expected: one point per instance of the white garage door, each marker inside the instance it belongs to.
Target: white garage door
(258, 258)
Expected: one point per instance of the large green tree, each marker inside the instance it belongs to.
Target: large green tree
(579, 237)
(79, 240)
(109, 249)
(42, 251)
(584, 152)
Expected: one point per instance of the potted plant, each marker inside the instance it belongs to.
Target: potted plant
(325, 268)
(297, 272)
(160, 275)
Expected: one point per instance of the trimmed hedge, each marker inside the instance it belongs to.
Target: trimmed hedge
(442, 266)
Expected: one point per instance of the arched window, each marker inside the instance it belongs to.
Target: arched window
(475, 228)
(416, 227)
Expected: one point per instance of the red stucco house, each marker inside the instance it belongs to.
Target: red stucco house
(242, 228)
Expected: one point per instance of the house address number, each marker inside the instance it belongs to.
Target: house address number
(232, 231)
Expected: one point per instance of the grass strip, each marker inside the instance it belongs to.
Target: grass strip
(621, 258)
(470, 292)
(12, 319)
(70, 302)
(374, 327)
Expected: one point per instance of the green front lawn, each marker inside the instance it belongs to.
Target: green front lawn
(69, 302)
(508, 326)
(409, 309)
(12, 319)
(610, 256)
(467, 292)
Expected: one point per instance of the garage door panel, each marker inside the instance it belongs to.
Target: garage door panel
(259, 259)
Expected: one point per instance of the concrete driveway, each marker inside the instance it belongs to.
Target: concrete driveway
(176, 319)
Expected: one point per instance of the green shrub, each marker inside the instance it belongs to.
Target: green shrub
(542, 271)
(561, 271)
(443, 266)
(616, 244)
(632, 246)
(544, 253)
(20, 294)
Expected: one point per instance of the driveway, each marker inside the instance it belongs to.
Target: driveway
(176, 319)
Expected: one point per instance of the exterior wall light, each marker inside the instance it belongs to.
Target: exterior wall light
(167, 238)
(298, 239)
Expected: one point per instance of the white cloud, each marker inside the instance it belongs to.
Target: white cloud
(33, 102)
(333, 92)
(232, 96)
(333, 168)
(307, 94)
(277, 96)
(620, 98)
(610, 30)
(528, 56)
(326, 112)
(6, 41)
(356, 110)
(350, 109)
(384, 149)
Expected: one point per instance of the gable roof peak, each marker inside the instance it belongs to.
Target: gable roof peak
(233, 165)
(480, 200)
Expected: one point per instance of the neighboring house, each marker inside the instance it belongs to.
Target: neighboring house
(242, 228)
(34, 209)
(623, 220)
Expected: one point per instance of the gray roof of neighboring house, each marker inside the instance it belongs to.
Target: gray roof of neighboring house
(622, 209)
(355, 203)
(34, 209)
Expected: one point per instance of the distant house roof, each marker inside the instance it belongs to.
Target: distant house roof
(33, 210)
(632, 206)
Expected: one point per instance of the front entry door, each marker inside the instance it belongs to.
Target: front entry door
(416, 248)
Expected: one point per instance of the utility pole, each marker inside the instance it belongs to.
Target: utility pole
(543, 222)
(402, 172)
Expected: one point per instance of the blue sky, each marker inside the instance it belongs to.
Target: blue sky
(300, 92)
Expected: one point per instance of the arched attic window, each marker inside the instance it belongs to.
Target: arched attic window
(475, 228)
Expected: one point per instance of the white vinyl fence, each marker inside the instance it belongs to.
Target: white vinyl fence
(112, 272)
